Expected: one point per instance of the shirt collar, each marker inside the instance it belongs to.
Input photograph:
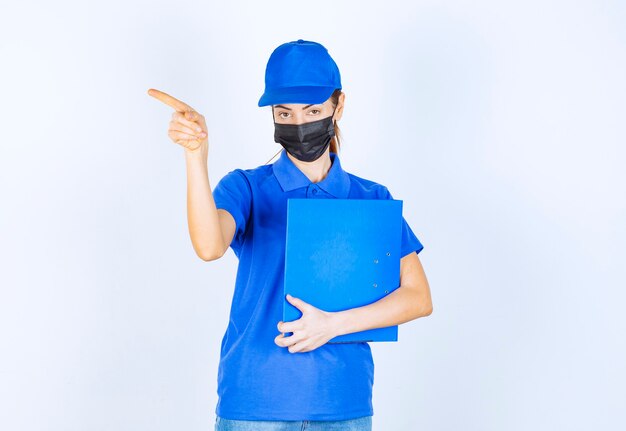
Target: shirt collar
(290, 177)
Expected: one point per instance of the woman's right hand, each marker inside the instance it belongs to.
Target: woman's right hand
(187, 127)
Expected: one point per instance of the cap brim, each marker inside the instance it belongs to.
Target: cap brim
(314, 95)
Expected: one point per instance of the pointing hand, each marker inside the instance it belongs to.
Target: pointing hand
(187, 127)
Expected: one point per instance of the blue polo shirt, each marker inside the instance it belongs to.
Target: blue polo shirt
(258, 380)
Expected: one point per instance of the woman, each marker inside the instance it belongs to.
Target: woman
(276, 382)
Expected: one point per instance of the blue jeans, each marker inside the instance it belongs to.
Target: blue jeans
(359, 424)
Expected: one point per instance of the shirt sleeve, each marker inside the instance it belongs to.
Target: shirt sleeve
(233, 194)
(409, 242)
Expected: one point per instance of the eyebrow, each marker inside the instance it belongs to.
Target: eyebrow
(289, 109)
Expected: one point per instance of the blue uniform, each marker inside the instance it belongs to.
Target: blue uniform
(258, 380)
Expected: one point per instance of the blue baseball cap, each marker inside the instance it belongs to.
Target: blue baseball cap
(301, 71)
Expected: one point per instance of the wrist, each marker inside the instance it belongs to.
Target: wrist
(336, 323)
(194, 155)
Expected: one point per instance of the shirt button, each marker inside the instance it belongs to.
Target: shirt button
(314, 190)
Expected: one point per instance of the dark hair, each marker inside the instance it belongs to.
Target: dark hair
(335, 141)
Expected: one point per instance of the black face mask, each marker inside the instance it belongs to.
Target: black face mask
(308, 141)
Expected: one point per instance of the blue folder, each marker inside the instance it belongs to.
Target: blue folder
(341, 254)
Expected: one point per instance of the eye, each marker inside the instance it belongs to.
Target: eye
(315, 110)
(280, 114)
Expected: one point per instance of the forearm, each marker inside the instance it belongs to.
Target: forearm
(400, 306)
(202, 215)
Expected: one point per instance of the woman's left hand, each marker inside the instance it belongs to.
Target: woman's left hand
(310, 331)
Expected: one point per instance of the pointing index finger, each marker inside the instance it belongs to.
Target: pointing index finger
(169, 100)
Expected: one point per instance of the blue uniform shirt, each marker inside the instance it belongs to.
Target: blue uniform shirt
(258, 380)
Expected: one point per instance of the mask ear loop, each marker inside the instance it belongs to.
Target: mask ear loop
(333, 114)
(274, 120)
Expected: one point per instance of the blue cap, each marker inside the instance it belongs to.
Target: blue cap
(300, 72)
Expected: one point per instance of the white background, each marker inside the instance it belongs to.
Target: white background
(501, 125)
